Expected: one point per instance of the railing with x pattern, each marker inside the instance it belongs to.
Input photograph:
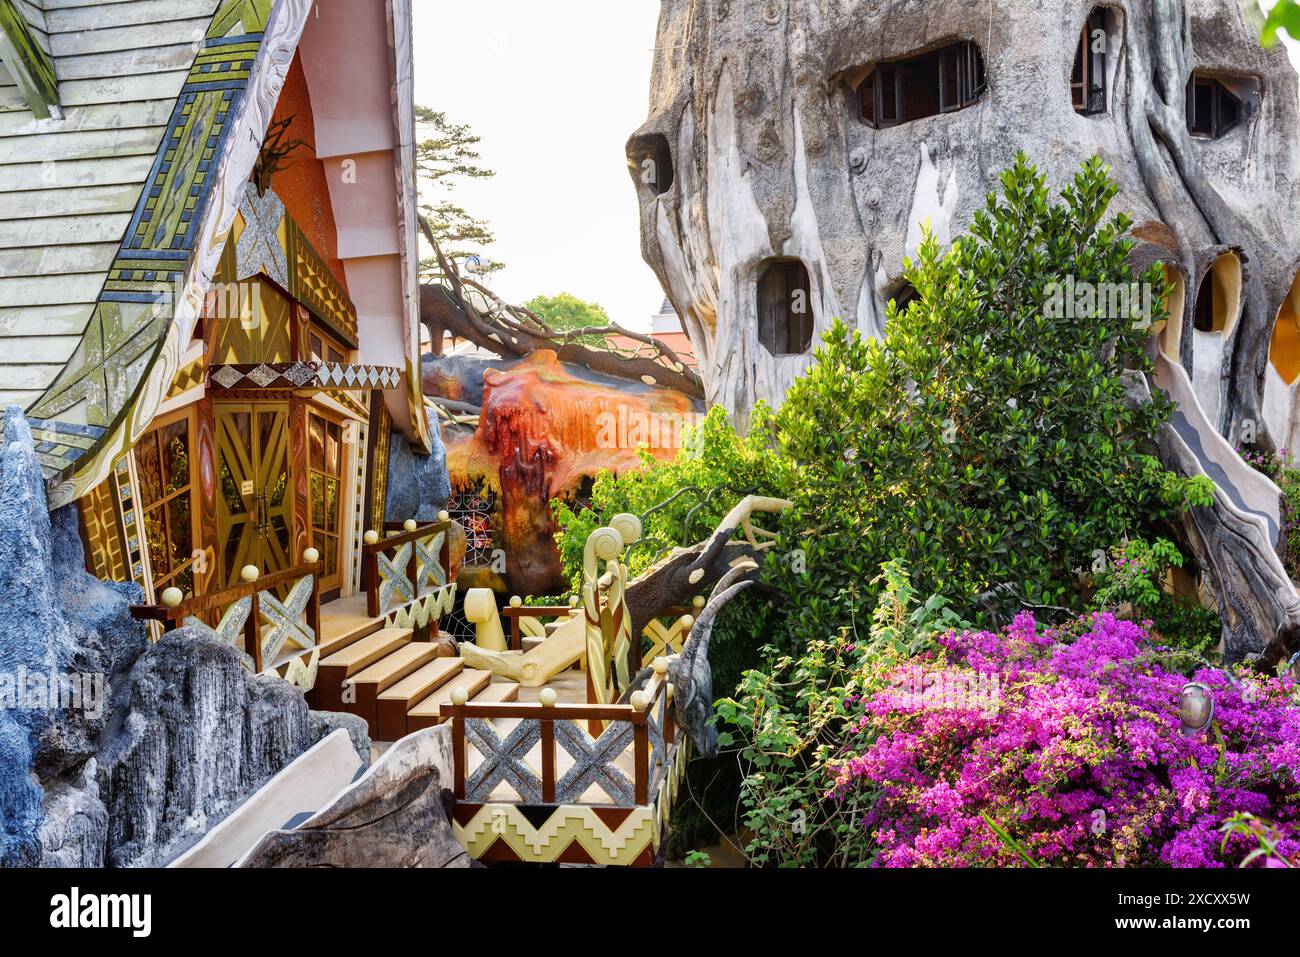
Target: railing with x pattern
(542, 753)
(405, 575)
(269, 631)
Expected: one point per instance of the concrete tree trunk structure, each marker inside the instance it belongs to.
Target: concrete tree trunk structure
(826, 133)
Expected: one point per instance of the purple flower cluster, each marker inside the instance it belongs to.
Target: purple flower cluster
(1083, 762)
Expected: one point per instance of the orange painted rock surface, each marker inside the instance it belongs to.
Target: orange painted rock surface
(545, 427)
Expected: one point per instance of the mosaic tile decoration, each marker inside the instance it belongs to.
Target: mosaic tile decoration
(326, 376)
(312, 283)
(190, 377)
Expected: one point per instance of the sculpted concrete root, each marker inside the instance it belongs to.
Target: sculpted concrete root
(396, 815)
(533, 668)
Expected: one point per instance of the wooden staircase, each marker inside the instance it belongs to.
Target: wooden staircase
(383, 675)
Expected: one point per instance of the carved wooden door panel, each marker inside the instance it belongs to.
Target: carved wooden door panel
(254, 501)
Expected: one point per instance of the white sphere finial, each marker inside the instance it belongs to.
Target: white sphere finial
(171, 597)
(370, 537)
(459, 695)
(410, 525)
(249, 573)
(515, 601)
(310, 555)
(444, 516)
(639, 700)
(547, 697)
(660, 665)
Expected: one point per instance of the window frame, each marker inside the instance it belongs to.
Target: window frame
(886, 83)
(160, 506)
(1216, 128)
(783, 329)
(1091, 64)
(329, 344)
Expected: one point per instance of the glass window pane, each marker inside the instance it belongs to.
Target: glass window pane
(317, 499)
(332, 505)
(147, 464)
(178, 523)
(316, 441)
(334, 450)
(175, 441)
(155, 534)
(230, 491)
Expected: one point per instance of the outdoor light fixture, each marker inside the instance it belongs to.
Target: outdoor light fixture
(1195, 708)
(1293, 666)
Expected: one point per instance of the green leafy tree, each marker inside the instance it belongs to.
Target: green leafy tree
(1284, 16)
(445, 156)
(566, 312)
(987, 442)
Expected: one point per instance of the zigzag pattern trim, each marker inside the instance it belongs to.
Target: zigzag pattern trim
(494, 827)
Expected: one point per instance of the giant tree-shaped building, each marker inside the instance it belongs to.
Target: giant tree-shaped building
(794, 148)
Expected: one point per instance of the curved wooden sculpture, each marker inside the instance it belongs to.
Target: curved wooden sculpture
(601, 633)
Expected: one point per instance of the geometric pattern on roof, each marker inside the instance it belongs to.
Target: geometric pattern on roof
(146, 279)
(28, 62)
(152, 295)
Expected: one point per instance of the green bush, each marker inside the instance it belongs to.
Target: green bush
(792, 716)
(714, 469)
(986, 441)
(1133, 574)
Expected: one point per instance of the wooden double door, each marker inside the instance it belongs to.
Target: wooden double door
(254, 488)
(259, 466)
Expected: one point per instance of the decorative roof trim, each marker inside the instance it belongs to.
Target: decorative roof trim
(202, 220)
(403, 96)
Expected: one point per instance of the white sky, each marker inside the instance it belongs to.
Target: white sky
(554, 89)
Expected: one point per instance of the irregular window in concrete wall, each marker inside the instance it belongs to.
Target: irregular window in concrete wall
(940, 81)
(1219, 295)
(1284, 350)
(1088, 80)
(1217, 104)
(785, 317)
(650, 160)
(903, 296)
(1175, 302)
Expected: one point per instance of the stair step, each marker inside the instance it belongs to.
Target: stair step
(391, 669)
(362, 654)
(498, 692)
(394, 702)
(530, 643)
(335, 643)
(425, 714)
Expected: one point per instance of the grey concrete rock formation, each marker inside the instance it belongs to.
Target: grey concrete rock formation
(418, 485)
(756, 102)
(55, 620)
(192, 734)
(395, 815)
